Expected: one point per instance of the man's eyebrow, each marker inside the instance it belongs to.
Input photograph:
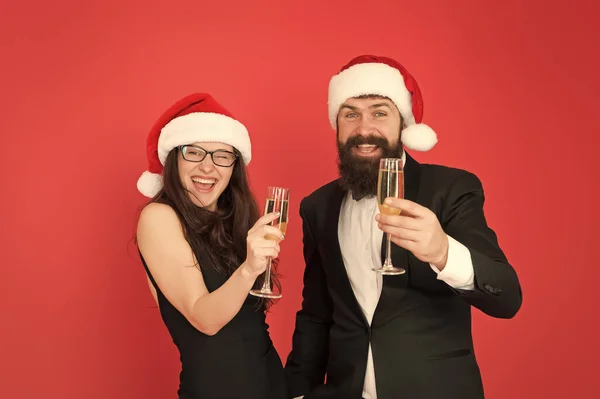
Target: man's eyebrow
(379, 105)
(353, 108)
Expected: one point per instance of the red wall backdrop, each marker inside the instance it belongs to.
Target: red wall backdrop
(511, 87)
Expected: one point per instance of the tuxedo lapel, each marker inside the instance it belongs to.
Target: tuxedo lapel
(335, 261)
(393, 286)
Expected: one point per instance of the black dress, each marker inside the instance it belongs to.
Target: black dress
(238, 362)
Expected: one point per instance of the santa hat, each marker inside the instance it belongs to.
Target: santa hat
(383, 76)
(196, 117)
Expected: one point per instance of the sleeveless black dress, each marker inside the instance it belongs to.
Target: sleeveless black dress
(238, 362)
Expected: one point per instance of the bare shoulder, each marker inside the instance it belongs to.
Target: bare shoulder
(156, 216)
(156, 211)
(161, 238)
(160, 230)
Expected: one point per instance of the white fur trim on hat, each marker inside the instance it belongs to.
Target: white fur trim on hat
(149, 184)
(372, 78)
(419, 137)
(207, 127)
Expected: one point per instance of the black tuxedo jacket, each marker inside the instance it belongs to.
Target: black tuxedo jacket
(421, 330)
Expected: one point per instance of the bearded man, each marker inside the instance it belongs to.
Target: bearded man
(364, 334)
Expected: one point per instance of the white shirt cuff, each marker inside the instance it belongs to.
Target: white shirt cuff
(458, 272)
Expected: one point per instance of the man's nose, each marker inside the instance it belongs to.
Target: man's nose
(365, 128)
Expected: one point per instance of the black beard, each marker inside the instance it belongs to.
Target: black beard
(359, 175)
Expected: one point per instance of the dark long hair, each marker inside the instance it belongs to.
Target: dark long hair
(221, 235)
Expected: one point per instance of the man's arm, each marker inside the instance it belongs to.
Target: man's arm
(495, 288)
(488, 282)
(458, 272)
(306, 364)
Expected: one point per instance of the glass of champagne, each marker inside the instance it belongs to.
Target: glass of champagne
(277, 201)
(389, 184)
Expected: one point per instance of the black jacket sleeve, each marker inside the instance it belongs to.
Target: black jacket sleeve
(306, 364)
(497, 290)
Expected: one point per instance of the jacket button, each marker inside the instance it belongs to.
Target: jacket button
(492, 290)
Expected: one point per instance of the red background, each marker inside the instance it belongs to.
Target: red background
(511, 87)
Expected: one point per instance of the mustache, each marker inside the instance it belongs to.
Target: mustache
(373, 140)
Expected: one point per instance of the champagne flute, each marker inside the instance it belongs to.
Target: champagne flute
(390, 184)
(277, 201)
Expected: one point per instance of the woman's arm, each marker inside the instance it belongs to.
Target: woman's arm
(173, 266)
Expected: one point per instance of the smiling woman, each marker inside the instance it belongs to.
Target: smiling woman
(205, 170)
(203, 247)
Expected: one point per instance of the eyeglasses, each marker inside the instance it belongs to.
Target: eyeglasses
(193, 153)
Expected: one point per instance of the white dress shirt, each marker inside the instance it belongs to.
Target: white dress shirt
(360, 242)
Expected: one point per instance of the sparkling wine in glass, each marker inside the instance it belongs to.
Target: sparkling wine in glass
(389, 184)
(277, 201)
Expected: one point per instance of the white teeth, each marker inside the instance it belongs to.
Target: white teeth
(366, 148)
(203, 181)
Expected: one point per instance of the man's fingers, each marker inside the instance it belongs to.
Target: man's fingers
(406, 244)
(399, 232)
(405, 222)
(407, 207)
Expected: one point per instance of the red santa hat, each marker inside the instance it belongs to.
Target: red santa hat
(197, 117)
(383, 76)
